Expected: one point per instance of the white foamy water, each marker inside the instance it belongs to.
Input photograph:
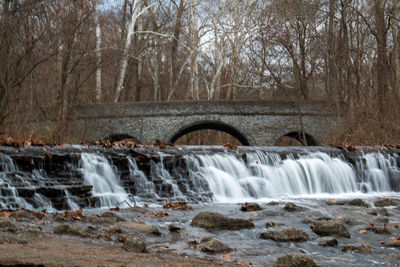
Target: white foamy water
(267, 175)
(99, 173)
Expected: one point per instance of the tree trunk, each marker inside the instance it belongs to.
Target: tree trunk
(98, 54)
(174, 47)
(382, 60)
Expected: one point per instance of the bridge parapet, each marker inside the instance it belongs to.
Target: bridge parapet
(252, 122)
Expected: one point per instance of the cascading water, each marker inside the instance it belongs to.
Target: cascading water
(211, 174)
(267, 175)
(9, 197)
(98, 172)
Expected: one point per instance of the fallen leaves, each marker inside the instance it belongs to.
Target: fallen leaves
(5, 213)
(71, 215)
(176, 206)
(194, 244)
(160, 214)
(230, 146)
(122, 239)
(226, 256)
(362, 231)
(339, 217)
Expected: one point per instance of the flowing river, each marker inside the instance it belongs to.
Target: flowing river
(320, 180)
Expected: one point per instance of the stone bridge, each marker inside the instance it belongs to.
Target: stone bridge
(255, 123)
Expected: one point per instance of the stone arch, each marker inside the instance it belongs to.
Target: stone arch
(211, 125)
(298, 138)
(119, 137)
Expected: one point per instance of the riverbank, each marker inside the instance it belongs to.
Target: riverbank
(96, 237)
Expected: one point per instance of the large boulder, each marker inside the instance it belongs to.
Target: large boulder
(216, 221)
(295, 260)
(331, 228)
(135, 244)
(286, 235)
(215, 246)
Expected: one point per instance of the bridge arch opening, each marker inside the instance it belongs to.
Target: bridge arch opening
(120, 137)
(211, 125)
(295, 138)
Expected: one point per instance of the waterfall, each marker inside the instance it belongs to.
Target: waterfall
(267, 175)
(83, 177)
(99, 173)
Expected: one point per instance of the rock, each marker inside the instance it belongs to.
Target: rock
(7, 226)
(274, 203)
(291, 207)
(286, 235)
(141, 227)
(358, 202)
(331, 228)
(362, 249)
(383, 202)
(392, 245)
(328, 242)
(135, 244)
(173, 228)
(109, 214)
(374, 213)
(96, 220)
(217, 221)
(379, 230)
(295, 260)
(66, 229)
(272, 224)
(215, 246)
(250, 206)
(382, 220)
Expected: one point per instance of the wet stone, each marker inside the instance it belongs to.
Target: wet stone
(135, 244)
(250, 206)
(382, 220)
(328, 242)
(286, 235)
(295, 260)
(358, 249)
(379, 230)
(384, 202)
(272, 224)
(358, 202)
(215, 246)
(331, 228)
(392, 245)
(217, 221)
(291, 207)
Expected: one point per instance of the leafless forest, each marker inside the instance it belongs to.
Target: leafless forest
(56, 53)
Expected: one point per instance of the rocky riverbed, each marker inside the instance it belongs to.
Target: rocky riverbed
(326, 232)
